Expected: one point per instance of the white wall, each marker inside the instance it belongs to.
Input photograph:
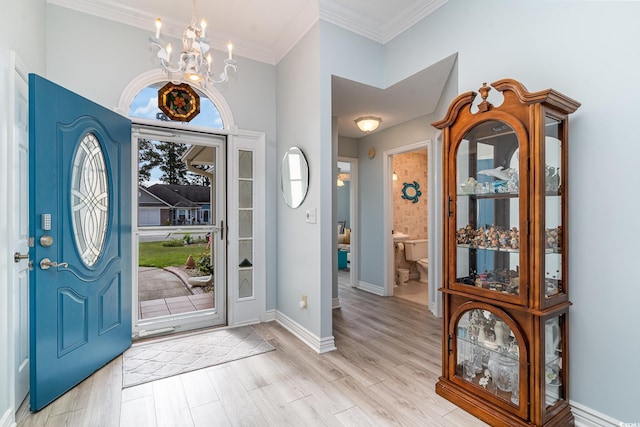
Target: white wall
(587, 50)
(23, 31)
(97, 58)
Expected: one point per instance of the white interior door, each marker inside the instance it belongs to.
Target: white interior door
(19, 223)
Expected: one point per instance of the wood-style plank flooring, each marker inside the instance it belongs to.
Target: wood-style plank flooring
(383, 374)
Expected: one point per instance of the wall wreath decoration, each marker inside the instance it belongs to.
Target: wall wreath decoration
(411, 191)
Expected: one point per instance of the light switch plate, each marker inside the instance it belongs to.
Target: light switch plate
(311, 215)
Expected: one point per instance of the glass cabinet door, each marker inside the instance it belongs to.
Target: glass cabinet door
(553, 361)
(488, 220)
(553, 151)
(488, 355)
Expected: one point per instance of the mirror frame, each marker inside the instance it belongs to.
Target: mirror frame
(285, 177)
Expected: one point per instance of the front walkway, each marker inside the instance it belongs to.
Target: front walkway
(162, 292)
(174, 305)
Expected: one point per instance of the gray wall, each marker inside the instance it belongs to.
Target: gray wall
(370, 201)
(347, 147)
(298, 112)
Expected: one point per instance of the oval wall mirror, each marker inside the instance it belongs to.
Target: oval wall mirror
(295, 177)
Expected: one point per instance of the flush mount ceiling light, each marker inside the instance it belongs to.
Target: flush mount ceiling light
(368, 123)
(192, 66)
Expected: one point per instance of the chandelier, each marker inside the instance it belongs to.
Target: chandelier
(194, 60)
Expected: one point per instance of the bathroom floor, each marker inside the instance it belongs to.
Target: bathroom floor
(413, 291)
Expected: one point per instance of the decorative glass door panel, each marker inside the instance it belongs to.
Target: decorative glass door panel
(487, 209)
(89, 199)
(245, 223)
(488, 355)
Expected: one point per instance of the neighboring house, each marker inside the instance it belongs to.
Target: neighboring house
(172, 204)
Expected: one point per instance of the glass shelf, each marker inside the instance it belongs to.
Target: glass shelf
(490, 195)
(466, 246)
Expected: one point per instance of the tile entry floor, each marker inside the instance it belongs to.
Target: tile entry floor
(174, 305)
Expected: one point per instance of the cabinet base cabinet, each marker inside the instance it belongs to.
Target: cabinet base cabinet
(495, 415)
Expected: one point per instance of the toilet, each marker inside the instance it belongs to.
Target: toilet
(416, 250)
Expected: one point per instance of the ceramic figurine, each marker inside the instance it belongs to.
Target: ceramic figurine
(496, 173)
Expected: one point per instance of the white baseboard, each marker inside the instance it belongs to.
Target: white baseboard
(587, 417)
(335, 303)
(319, 345)
(7, 419)
(270, 316)
(377, 290)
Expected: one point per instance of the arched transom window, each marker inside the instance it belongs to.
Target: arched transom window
(145, 106)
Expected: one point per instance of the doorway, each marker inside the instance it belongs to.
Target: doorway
(179, 234)
(410, 225)
(432, 205)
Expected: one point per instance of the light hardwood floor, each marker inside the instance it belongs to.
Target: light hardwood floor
(383, 373)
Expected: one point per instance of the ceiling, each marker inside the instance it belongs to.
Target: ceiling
(266, 30)
(408, 99)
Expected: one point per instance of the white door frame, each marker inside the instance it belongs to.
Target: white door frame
(240, 311)
(434, 184)
(14, 304)
(353, 219)
(7, 378)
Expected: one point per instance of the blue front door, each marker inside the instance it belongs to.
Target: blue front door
(80, 221)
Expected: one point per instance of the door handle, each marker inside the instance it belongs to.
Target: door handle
(220, 229)
(46, 263)
(18, 256)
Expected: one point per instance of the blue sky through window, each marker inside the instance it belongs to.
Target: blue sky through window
(145, 106)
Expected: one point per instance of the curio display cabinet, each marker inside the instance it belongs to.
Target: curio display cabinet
(505, 283)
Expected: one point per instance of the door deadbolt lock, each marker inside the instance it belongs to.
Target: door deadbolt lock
(46, 241)
(46, 263)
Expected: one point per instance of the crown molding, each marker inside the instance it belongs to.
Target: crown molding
(409, 17)
(348, 19)
(296, 30)
(328, 10)
(381, 32)
(171, 27)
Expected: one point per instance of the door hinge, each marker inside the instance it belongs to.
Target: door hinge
(32, 242)
(450, 206)
(449, 345)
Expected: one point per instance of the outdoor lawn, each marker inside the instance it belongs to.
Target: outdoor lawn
(153, 254)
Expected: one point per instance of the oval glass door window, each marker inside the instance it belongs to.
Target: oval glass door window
(89, 199)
